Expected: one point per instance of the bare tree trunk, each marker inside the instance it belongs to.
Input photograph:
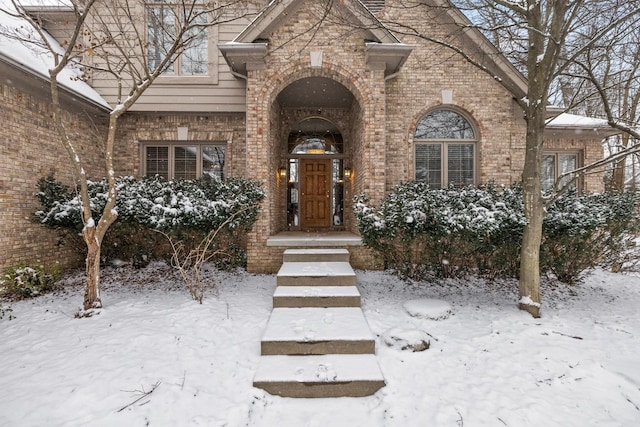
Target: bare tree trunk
(92, 289)
(618, 175)
(619, 167)
(534, 213)
(531, 240)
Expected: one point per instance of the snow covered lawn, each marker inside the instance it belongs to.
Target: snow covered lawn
(488, 365)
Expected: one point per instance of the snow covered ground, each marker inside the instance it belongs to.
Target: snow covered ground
(488, 365)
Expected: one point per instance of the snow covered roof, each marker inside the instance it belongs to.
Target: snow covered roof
(588, 127)
(566, 120)
(36, 60)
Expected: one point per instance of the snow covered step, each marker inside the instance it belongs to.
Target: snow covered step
(331, 375)
(304, 331)
(308, 255)
(323, 273)
(316, 296)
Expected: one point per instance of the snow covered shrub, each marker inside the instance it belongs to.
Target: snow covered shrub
(418, 230)
(184, 209)
(582, 231)
(25, 282)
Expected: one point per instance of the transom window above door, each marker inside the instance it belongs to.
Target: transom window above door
(184, 161)
(445, 149)
(315, 135)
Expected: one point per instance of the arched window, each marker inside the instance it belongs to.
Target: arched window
(445, 149)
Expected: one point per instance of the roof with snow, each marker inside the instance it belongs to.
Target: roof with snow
(581, 124)
(573, 120)
(35, 60)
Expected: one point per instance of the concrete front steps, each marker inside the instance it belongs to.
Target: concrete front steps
(317, 342)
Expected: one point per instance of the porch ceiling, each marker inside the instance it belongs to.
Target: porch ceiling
(315, 92)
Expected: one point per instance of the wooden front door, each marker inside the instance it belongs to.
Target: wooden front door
(315, 203)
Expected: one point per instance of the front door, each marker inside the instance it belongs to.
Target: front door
(315, 203)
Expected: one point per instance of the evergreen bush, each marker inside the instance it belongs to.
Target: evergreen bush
(420, 231)
(581, 231)
(184, 209)
(26, 282)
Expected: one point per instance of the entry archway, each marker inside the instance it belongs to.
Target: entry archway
(317, 116)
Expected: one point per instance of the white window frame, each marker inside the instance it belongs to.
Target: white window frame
(211, 76)
(444, 149)
(198, 145)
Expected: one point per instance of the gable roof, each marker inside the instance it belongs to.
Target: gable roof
(484, 51)
(249, 48)
(277, 12)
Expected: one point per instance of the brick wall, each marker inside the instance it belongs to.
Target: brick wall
(430, 76)
(135, 128)
(432, 70)
(29, 150)
(589, 147)
(289, 61)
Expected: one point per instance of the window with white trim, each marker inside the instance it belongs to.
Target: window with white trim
(554, 165)
(163, 21)
(184, 161)
(445, 149)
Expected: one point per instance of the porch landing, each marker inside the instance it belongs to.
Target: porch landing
(302, 239)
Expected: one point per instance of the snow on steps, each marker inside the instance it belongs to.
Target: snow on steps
(332, 375)
(302, 331)
(318, 273)
(306, 255)
(317, 342)
(316, 296)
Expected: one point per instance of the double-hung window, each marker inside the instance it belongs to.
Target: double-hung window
(184, 161)
(555, 165)
(164, 19)
(445, 149)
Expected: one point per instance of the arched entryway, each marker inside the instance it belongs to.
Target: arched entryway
(317, 118)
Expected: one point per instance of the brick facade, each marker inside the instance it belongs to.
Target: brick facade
(377, 128)
(29, 150)
(137, 128)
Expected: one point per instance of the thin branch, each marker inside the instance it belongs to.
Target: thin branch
(144, 394)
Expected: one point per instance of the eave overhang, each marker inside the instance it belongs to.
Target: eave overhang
(390, 56)
(574, 126)
(249, 50)
(242, 57)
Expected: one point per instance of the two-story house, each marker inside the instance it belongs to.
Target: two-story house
(317, 106)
